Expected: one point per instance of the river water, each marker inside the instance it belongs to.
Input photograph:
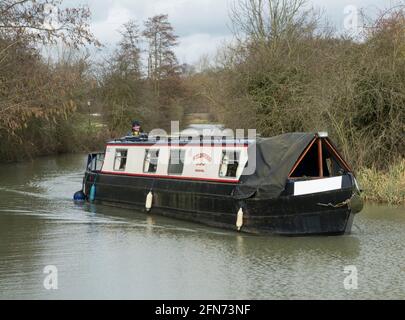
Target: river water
(109, 253)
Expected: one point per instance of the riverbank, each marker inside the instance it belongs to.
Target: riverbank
(384, 187)
(74, 134)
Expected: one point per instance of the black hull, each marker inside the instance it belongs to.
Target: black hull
(212, 204)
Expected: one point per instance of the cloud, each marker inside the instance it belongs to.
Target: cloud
(107, 30)
(187, 16)
(195, 46)
(201, 24)
(335, 9)
(194, 16)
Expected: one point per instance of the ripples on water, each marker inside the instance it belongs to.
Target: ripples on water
(104, 252)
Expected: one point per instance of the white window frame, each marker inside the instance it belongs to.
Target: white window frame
(226, 161)
(148, 160)
(182, 152)
(118, 159)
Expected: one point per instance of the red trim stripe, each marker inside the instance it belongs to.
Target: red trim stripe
(168, 177)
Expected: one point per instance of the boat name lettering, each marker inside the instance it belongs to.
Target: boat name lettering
(202, 156)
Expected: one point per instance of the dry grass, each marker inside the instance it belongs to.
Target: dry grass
(382, 186)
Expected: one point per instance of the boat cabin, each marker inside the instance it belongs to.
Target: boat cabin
(206, 160)
(217, 160)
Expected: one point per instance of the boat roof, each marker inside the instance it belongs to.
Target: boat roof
(176, 140)
(202, 134)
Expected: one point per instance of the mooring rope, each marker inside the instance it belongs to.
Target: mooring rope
(338, 205)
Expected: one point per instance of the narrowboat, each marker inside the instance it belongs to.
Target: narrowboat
(295, 184)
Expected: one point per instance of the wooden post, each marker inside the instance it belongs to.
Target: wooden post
(88, 106)
(320, 159)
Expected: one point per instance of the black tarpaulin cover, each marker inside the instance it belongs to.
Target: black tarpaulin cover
(275, 157)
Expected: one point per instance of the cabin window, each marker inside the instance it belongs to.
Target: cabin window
(176, 162)
(95, 162)
(151, 161)
(229, 164)
(120, 160)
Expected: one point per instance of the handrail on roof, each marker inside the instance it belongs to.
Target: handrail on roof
(180, 139)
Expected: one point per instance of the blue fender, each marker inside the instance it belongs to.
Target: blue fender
(79, 196)
(92, 193)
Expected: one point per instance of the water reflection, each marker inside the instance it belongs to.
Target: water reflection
(106, 252)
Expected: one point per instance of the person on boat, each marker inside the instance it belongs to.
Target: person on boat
(136, 129)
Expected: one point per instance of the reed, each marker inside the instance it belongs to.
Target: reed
(384, 186)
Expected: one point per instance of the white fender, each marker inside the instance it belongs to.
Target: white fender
(149, 199)
(239, 219)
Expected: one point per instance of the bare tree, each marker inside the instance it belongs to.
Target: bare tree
(268, 20)
(121, 80)
(128, 55)
(46, 21)
(35, 95)
(162, 61)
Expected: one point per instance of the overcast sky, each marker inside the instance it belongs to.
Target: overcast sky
(201, 24)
